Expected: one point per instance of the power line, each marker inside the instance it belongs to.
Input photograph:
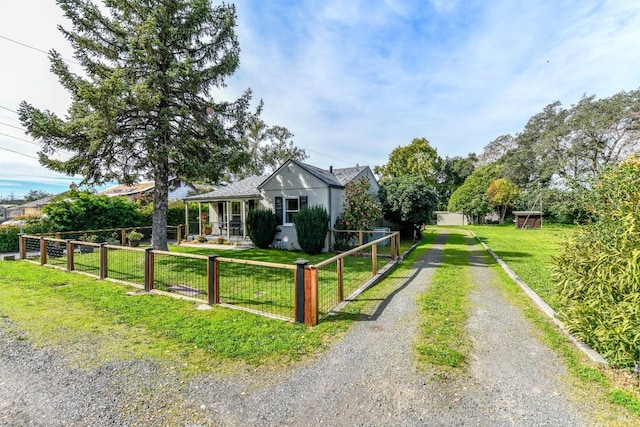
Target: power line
(22, 154)
(12, 126)
(21, 139)
(9, 109)
(36, 49)
(330, 157)
(31, 142)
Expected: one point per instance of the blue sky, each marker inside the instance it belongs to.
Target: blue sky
(352, 80)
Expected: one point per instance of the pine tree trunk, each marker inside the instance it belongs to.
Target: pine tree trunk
(160, 205)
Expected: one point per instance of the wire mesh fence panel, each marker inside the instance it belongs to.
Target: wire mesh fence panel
(32, 248)
(258, 287)
(126, 264)
(357, 270)
(180, 274)
(56, 252)
(328, 295)
(86, 259)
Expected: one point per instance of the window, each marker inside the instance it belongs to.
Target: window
(292, 206)
(287, 208)
(236, 212)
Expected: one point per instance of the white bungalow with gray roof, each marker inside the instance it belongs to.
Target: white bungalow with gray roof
(291, 187)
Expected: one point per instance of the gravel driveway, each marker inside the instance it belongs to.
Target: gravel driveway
(367, 379)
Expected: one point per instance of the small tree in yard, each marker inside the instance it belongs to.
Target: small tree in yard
(407, 201)
(361, 210)
(143, 105)
(262, 226)
(598, 272)
(502, 194)
(312, 225)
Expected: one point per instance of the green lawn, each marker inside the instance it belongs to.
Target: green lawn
(529, 253)
(50, 307)
(444, 309)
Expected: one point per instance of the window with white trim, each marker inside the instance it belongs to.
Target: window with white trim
(291, 208)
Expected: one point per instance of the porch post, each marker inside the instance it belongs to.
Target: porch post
(243, 216)
(227, 218)
(186, 220)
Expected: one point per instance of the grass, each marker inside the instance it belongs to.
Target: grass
(529, 253)
(444, 309)
(93, 322)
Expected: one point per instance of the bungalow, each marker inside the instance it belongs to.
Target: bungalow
(290, 188)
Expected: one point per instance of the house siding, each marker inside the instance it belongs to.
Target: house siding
(292, 181)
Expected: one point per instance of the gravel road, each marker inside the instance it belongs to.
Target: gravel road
(367, 379)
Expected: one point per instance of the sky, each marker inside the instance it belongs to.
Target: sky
(354, 79)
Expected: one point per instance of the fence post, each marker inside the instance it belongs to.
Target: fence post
(213, 280)
(179, 237)
(299, 300)
(123, 236)
(360, 240)
(340, 272)
(104, 264)
(374, 259)
(311, 296)
(43, 251)
(392, 242)
(69, 255)
(148, 269)
(22, 246)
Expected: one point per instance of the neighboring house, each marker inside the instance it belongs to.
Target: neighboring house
(290, 188)
(178, 190)
(33, 208)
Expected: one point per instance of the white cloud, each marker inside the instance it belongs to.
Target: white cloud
(355, 79)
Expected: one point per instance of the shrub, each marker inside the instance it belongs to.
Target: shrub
(262, 226)
(9, 238)
(80, 210)
(598, 272)
(312, 225)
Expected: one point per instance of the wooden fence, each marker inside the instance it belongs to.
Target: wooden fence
(300, 292)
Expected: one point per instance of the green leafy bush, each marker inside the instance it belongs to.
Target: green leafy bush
(262, 226)
(9, 238)
(312, 225)
(598, 272)
(81, 210)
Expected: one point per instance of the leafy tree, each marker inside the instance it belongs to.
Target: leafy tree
(360, 210)
(81, 210)
(417, 158)
(312, 226)
(470, 198)
(597, 271)
(262, 226)
(454, 171)
(407, 201)
(269, 147)
(144, 104)
(34, 195)
(502, 194)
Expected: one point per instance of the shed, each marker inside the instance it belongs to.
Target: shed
(528, 219)
(451, 218)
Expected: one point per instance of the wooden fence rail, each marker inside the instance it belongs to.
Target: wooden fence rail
(278, 290)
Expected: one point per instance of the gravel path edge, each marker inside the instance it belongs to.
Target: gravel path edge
(593, 355)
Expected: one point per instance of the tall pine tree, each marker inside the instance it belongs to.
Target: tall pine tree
(144, 106)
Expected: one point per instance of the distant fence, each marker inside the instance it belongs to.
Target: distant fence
(301, 292)
(116, 236)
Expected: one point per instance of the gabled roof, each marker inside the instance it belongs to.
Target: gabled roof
(245, 188)
(337, 177)
(40, 202)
